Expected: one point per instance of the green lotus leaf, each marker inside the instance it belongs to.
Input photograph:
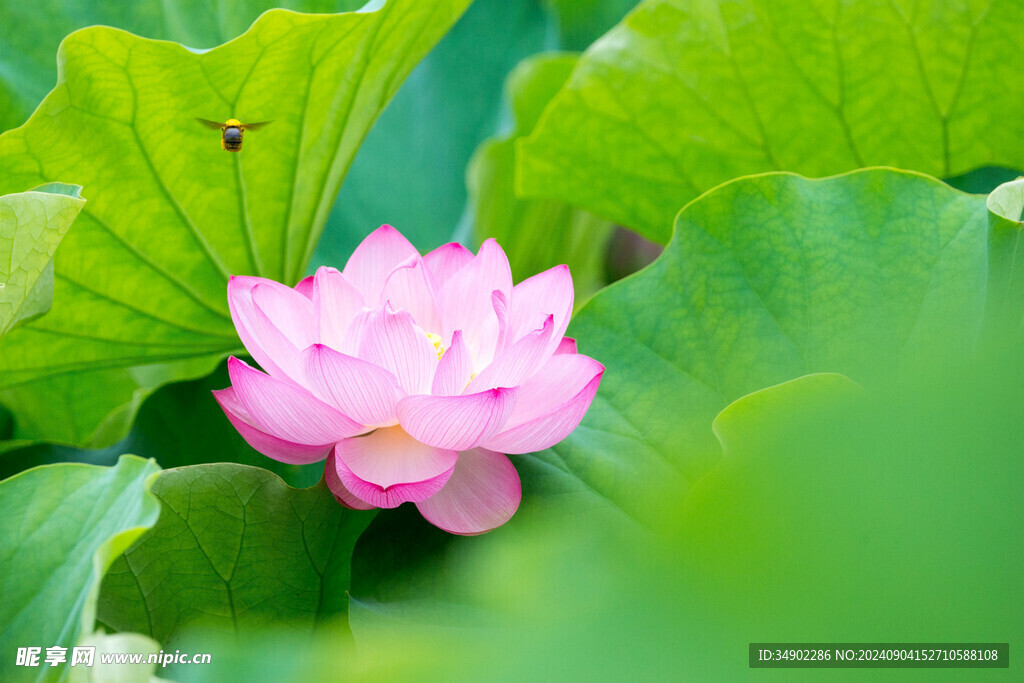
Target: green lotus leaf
(32, 225)
(171, 215)
(62, 527)
(235, 547)
(682, 96)
(873, 274)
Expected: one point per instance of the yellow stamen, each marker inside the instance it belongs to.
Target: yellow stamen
(435, 339)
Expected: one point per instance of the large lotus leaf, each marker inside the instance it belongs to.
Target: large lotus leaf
(768, 278)
(62, 527)
(234, 547)
(32, 225)
(536, 234)
(140, 284)
(682, 96)
(31, 32)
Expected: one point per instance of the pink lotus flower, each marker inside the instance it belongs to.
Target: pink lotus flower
(412, 375)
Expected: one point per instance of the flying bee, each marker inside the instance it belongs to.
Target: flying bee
(231, 132)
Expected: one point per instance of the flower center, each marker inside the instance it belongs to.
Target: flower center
(435, 339)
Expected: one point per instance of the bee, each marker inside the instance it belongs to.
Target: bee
(231, 132)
